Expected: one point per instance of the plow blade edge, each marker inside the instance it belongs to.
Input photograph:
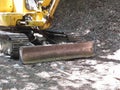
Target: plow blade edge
(34, 54)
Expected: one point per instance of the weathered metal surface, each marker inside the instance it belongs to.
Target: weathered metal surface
(11, 42)
(34, 54)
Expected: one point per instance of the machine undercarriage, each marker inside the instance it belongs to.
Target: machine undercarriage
(58, 46)
(23, 33)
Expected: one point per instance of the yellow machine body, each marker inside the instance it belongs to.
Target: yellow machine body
(27, 12)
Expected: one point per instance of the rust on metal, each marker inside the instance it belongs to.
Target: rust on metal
(34, 54)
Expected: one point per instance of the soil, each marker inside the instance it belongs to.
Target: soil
(100, 21)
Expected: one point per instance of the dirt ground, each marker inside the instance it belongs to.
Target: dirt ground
(100, 19)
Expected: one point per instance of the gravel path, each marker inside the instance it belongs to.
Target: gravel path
(100, 19)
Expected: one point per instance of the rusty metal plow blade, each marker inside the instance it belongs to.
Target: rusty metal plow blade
(34, 54)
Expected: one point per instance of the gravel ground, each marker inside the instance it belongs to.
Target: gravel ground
(101, 20)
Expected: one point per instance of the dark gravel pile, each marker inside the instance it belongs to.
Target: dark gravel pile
(100, 17)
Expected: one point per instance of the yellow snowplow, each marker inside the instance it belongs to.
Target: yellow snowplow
(23, 33)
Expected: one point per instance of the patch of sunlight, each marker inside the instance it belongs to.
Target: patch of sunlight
(11, 78)
(65, 83)
(107, 83)
(115, 71)
(23, 75)
(4, 81)
(43, 75)
(14, 88)
(2, 65)
(53, 88)
(75, 75)
(30, 86)
(115, 55)
(1, 54)
(101, 69)
(109, 73)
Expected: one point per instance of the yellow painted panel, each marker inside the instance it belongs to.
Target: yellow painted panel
(9, 19)
(6, 5)
(46, 3)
